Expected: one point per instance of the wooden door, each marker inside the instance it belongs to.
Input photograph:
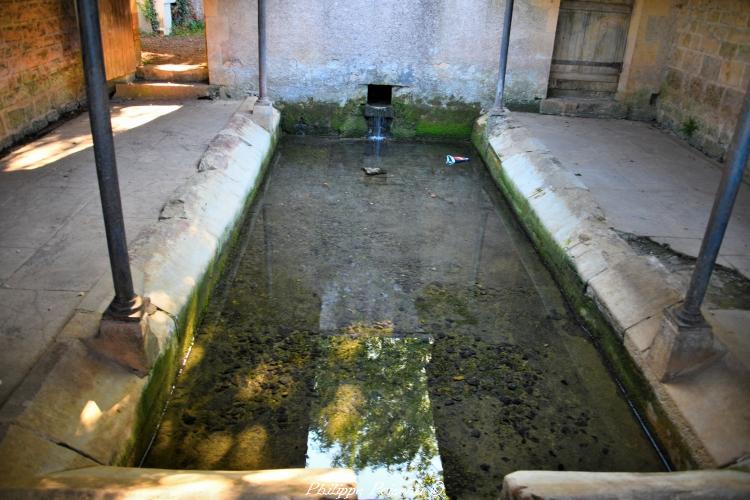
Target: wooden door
(589, 47)
(120, 57)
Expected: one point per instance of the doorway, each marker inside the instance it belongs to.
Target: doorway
(173, 41)
(589, 48)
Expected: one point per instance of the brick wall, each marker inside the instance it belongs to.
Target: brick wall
(707, 73)
(40, 65)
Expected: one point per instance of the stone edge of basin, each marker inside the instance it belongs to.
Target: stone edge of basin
(708, 484)
(618, 294)
(76, 409)
(118, 482)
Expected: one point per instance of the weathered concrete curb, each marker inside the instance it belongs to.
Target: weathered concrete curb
(76, 409)
(118, 482)
(706, 485)
(618, 294)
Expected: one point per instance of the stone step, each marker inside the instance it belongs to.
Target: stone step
(179, 73)
(583, 107)
(126, 482)
(163, 90)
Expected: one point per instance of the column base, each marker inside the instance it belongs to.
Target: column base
(124, 340)
(498, 111)
(263, 113)
(681, 349)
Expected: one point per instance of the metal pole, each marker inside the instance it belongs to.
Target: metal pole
(504, 42)
(104, 154)
(690, 312)
(262, 53)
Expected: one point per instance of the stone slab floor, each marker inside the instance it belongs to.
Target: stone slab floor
(52, 244)
(647, 181)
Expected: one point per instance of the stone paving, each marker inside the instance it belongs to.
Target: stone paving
(647, 181)
(52, 246)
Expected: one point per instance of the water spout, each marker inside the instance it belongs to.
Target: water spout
(378, 116)
(377, 128)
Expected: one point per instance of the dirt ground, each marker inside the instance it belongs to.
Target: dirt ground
(184, 49)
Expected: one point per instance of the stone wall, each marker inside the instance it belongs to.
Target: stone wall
(436, 51)
(40, 65)
(650, 38)
(707, 72)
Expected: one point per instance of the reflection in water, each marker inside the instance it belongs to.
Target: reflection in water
(373, 415)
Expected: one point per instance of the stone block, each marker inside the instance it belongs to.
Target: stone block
(731, 73)
(179, 73)
(162, 91)
(590, 108)
(126, 343)
(25, 453)
(695, 485)
(127, 482)
(83, 401)
(679, 349)
(710, 68)
(674, 79)
(631, 291)
(712, 95)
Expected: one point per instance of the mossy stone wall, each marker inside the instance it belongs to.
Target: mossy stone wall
(412, 118)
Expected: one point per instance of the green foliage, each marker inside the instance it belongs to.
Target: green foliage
(149, 12)
(192, 28)
(428, 485)
(374, 411)
(183, 14)
(689, 127)
(184, 20)
(373, 408)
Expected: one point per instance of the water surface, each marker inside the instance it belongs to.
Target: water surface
(401, 325)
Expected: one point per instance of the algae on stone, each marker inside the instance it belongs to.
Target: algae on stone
(413, 118)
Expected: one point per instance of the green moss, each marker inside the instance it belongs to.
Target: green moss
(608, 341)
(403, 131)
(447, 130)
(434, 119)
(152, 400)
(323, 118)
(354, 126)
(413, 118)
